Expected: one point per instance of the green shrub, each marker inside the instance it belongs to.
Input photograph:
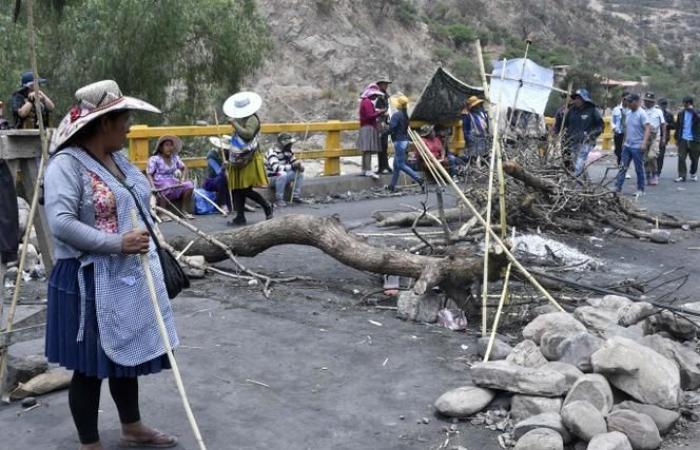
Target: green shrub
(461, 34)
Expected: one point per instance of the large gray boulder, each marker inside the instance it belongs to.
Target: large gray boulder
(520, 380)
(525, 406)
(549, 343)
(592, 388)
(419, 308)
(500, 349)
(664, 419)
(686, 359)
(583, 420)
(635, 313)
(540, 439)
(577, 350)
(639, 371)
(640, 429)
(558, 321)
(464, 401)
(596, 319)
(527, 354)
(610, 441)
(21, 370)
(571, 373)
(545, 420)
(677, 327)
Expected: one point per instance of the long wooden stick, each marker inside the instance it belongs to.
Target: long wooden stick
(496, 319)
(492, 168)
(35, 196)
(166, 340)
(482, 221)
(294, 186)
(223, 161)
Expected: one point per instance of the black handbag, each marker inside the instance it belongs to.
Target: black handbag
(175, 278)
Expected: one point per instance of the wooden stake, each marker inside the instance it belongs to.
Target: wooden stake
(35, 197)
(496, 319)
(166, 340)
(294, 186)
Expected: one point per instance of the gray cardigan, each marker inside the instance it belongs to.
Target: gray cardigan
(71, 213)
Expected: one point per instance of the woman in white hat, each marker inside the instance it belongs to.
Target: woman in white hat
(246, 166)
(100, 322)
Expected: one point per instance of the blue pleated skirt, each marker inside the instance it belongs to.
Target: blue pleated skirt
(63, 323)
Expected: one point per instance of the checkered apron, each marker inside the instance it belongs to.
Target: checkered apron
(128, 329)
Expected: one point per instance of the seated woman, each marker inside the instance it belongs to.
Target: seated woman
(434, 145)
(168, 175)
(216, 171)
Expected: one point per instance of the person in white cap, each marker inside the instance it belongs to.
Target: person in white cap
(100, 322)
(246, 165)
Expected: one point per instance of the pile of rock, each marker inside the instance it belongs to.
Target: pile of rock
(610, 376)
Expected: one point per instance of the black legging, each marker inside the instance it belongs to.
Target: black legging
(239, 196)
(84, 401)
(618, 140)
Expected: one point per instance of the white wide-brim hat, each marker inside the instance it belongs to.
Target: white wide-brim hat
(242, 104)
(223, 141)
(93, 101)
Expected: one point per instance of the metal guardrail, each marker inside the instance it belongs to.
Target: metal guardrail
(140, 136)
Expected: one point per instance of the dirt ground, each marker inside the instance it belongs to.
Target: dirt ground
(310, 368)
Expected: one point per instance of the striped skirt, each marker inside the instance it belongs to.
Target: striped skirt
(63, 322)
(368, 140)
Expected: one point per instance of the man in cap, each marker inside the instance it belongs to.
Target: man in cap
(283, 169)
(23, 107)
(382, 102)
(688, 140)
(657, 133)
(582, 126)
(670, 125)
(637, 131)
(618, 124)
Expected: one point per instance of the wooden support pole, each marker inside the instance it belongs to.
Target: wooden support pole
(496, 319)
(166, 340)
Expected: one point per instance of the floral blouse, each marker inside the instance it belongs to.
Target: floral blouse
(105, 205)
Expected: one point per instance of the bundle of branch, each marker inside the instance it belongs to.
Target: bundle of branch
(543, 194)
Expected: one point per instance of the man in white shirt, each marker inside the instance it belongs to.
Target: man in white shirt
(618, 115)
(656, 135)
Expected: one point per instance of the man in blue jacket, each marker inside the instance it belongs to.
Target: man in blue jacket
(688, 140)
(582, 126)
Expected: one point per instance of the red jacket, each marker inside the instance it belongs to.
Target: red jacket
(368, 114)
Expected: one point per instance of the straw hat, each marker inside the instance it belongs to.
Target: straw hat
(223, 142)
(474, 101)
(402, 102)
(177, 143)
(242, 104)
(93, 101)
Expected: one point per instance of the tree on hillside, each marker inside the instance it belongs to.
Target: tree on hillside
(182, 55)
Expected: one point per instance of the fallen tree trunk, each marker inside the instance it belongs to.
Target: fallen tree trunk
(454, 275)
(406, 219)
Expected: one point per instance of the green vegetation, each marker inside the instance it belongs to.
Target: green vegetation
(184, 56)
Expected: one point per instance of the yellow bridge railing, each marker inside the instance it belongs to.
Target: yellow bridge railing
(140, 136)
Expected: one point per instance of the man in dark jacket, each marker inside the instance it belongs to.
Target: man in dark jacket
(688, 140)
(670, 126)
(23, 106)
(382, 102)
(582, 126)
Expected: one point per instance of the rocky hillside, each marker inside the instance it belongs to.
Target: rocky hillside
(326, 51)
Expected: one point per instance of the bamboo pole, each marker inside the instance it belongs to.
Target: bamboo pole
(294, 186)
(166, 340)
(525, 273)
(35, 196)
(496, 319)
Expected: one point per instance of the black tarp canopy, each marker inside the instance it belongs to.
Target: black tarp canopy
(443, 98)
